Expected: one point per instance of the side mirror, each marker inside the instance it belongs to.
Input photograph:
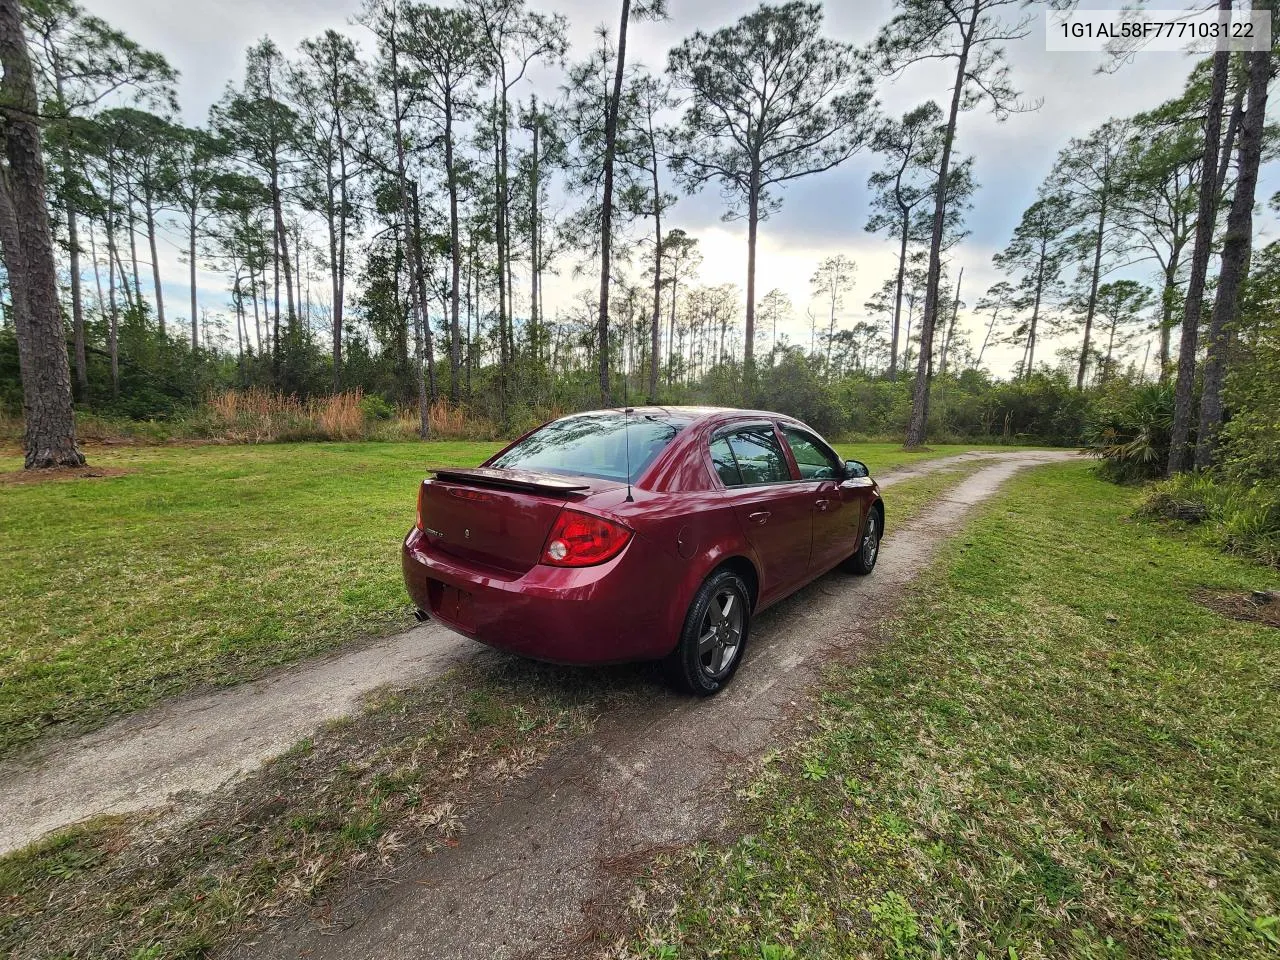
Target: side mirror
(855, 470)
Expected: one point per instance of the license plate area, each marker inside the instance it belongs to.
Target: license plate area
(451, 604)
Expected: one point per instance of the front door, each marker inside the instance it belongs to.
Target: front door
(775, 512)
(836, 506)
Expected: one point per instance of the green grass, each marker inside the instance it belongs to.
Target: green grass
(1054, 752)
(207, 565)
(202, 565)
(402, 775)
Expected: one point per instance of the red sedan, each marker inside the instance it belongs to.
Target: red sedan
(653, 533)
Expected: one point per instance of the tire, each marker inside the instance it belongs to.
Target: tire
(706, 658)
(864, 558)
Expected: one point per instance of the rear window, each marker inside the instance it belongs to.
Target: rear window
(593, 446)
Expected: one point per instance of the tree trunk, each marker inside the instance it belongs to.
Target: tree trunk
(1167, 298)
(257, 321)
(455, 255)
(155, 259)
(73, 243)
(406, 216)
(132, 221)
(655, 337)
(113, 321)
(1185, 382)
(897, 296)
(27, 245)
(415, 251)
(1236, 249)
(606, 205)
(749, 346)
(77, 302)
(1180, 431)
(918, 426)
(334, 274)
(191, 266)
(671, 327)
(951, 326)
(535, 189)
(1035, 320)
(282, 254)
(1092, 307)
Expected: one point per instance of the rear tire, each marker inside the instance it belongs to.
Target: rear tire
(864, 559)
(714, 636)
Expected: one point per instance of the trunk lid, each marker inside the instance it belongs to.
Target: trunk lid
(500, 518)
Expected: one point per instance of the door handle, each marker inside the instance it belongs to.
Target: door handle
(821, 505)
(760, 516)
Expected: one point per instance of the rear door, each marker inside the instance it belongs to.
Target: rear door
(773, 510)
(837, 508)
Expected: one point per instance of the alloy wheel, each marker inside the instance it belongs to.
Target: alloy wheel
(720, 634)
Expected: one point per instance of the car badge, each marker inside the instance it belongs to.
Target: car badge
(466, 534)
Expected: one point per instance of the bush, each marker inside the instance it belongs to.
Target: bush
(375, 408)
(1240, 518)
(1130, 433)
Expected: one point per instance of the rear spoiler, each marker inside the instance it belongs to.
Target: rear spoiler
(511, 479)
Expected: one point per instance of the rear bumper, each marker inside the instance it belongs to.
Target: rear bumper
(610, 613)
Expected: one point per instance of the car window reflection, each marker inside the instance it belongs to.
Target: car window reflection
(594, 446)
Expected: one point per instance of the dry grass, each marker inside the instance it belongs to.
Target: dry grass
(265, 416)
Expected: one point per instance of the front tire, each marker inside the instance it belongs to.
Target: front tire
(864, 560)
(714, 636)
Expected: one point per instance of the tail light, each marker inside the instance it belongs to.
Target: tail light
(581, 540)
(421, 488)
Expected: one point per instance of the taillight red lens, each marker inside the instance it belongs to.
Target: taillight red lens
(581, 540)
(421, 490)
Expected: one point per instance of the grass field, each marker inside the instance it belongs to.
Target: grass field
(207, 565)
(1055, 753)
(404, 774)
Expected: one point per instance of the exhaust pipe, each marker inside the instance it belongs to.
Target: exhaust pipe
(421, 615)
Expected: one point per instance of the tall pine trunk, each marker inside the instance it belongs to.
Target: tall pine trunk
(191, 266)
(917, 428)
(149, 200)
(455, 254)
(1184, 387)
(655, 334)
(416, 306)
(897, 294)
(26, 242)
(606, 204)
(535, 192)
(1236, 249)
(753, 229)
(1030, 354)
(1092, 308)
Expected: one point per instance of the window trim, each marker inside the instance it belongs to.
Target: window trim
(819, 442)
(727, 429)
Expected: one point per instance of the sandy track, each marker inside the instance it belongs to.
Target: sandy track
(196, 744)
(532, 867)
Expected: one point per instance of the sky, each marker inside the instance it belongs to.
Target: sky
(820, 216)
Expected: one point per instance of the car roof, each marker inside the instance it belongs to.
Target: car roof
(688, 414)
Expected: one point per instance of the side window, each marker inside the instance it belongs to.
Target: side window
(813, 457)
(759, 458)
(726, 466)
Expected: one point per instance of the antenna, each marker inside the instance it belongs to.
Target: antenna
(626, 434)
